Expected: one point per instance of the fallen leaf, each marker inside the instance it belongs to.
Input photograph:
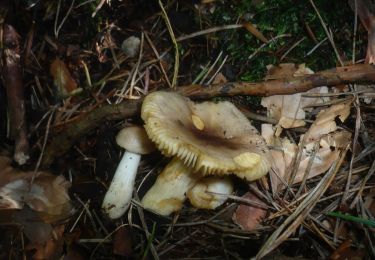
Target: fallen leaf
(346, 251)
(369, 201)
(289, 110)
(285, 151)
(282, 155)
(249, 217)
(328, 152)
(42, 192)
(219, 79)
(52, 248)
(122, 242)
(62, 78)
(325, 121)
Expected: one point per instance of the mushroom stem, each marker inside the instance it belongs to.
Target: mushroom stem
(210, 193)
(117, 199)
(169, 191)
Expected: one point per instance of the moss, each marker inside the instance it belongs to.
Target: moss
(277, 17)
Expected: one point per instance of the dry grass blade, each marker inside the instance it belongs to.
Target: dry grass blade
(297, 217)
(176, 51)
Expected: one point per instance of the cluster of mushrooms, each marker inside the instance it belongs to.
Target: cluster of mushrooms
(207, 141)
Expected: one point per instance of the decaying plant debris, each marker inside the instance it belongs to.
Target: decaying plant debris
(74, 73)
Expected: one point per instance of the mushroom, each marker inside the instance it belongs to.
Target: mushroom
(117, 199)
(208, 138)
(169, 191)
(211, 138)
(210, 192)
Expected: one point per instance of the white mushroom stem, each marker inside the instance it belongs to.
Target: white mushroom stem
(169, 191)
(210, 192)
(118, 197)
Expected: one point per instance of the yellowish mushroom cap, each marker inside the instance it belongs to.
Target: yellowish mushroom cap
(213, 138)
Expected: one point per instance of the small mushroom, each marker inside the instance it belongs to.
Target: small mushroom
(117, 199)
(169, 191)
(210, 192)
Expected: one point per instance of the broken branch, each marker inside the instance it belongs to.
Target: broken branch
(12, 78)
(333, 77)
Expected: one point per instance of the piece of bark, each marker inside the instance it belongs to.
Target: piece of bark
(85, 123)
(12, 77)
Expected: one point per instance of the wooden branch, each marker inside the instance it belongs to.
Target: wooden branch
(12, 77)
(333, 77)
(60, 144)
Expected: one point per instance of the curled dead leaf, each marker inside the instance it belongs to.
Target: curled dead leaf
(46, 194)
(325, 121)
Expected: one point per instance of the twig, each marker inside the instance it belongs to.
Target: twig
(12, 78)
(337, 76)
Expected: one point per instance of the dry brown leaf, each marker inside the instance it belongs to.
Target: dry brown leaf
(325, 121)
(329, 151)
(281, 71)
(248, 217)
(285, 151)
(47, 194)
(52, 248)
(219, 79)
(282, 154)
(122, 243)
(288, 109)
(62, 78)
(369, 201)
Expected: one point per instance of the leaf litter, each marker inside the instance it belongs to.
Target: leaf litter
(310, 136)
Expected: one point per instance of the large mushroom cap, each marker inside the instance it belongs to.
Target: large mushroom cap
(134, 139)
(214, 138)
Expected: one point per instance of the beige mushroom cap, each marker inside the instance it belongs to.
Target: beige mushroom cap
(134, 139)
(214, 138)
